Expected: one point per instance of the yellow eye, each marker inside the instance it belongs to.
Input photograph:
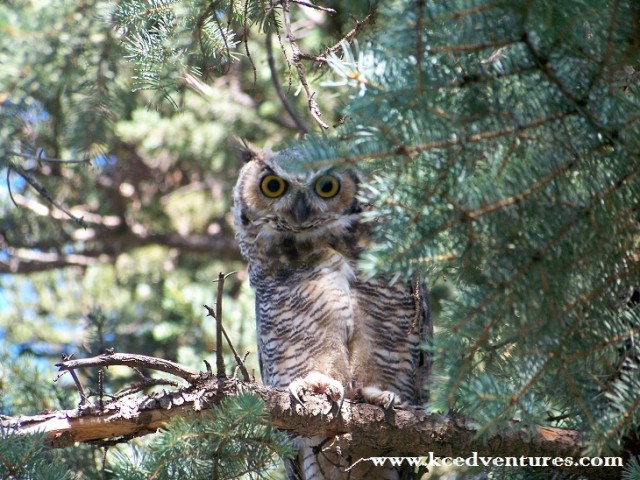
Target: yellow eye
(273, 186)
(327, 186)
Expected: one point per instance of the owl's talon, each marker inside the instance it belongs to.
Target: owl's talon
(298, 400)
(317, 382)
(341, 401)
(383, 398)
(333, 401)
(389, 403)
(296, 389)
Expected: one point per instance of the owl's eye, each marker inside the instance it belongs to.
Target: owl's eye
(327, 186)
(273, 186)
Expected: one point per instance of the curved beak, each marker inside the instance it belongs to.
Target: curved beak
(300, 211)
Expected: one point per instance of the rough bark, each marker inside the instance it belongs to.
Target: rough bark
(357, 426)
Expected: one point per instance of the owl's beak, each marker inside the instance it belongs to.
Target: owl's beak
(300, 211)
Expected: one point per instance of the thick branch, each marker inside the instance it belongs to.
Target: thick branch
(360, 427)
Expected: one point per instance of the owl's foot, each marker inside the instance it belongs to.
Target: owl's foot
(316, 382)
(383, 398)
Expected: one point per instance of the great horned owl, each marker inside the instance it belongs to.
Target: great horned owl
(321, 326)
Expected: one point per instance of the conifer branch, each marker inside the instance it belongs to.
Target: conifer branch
(311, 101)
(369, 19)
(358, 427)
(410, 151)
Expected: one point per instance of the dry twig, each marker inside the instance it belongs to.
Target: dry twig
(220, 331)
(311, 101)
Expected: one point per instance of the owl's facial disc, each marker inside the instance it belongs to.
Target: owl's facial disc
(275, 205)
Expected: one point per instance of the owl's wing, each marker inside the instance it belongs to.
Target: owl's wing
(425, 329)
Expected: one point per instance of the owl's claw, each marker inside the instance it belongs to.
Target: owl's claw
(341, 400)
(317, 382)
(383, 398)
(294, 388)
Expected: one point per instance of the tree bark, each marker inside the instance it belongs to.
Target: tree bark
(357, 427)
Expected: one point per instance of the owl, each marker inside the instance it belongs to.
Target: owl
(322, 326)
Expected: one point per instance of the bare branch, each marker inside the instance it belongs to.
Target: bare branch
(24, 260)
(239, 361)
(219, 356)
(315, 7)
(302, 128)
(145, 384)
(84, 401)
(360, 24)
(111, 221)
(245, 41)
(40, 157)
(9, 186)
(43, 192)
(132, 361)
(217, 315)
(312, 103)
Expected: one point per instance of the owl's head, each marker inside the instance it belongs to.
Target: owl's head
(280, 202)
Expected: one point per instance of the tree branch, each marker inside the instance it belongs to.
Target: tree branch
(311, 101)
(26, 176)
(357, 427)
(25, 260)
(132, 361)
(360, 24)
(302, 128)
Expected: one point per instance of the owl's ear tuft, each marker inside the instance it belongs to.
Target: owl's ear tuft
(246, 151)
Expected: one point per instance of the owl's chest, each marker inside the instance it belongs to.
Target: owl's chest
(307, 299)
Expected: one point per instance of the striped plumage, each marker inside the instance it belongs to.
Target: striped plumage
(320, 326)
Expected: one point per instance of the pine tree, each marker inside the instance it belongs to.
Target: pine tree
(505, 141)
